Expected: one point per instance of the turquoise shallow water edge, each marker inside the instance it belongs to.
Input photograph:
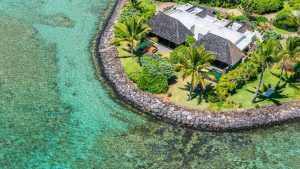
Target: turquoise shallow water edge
(54, 113)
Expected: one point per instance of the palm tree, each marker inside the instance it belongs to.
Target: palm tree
(133, 30)
(290, 51)
(265, 55)
(194, 62)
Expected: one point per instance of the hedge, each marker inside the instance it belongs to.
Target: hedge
(153, 83)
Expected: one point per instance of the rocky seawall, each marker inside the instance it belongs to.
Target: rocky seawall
(127, 91)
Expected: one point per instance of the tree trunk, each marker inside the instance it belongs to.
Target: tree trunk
(139, 60)
(280, 78)
(131, 51)
(191, 88)
(259, 84)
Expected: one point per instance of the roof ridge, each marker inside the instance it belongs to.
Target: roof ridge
(177, 30)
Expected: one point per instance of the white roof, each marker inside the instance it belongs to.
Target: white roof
(211, 25)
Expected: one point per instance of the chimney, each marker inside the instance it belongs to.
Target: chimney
(193, 29)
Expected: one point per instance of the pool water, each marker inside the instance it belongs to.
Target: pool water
(54, 113)
(216, 74)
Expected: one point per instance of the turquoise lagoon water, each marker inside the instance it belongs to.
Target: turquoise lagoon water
(54, 113)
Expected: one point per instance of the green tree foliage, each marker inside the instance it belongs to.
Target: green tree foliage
(221, 3)
(132, 30)
(261, 6)
(141, 8)
(236, 78)
(295, 4)
(248, 7)
(258, 20)
(156, 83)
(194, 63)
(239, 18)
(175, 55)
(154, 64)
(296, 69)
(137, 4)
(272, 35)
(286, 20)
(128, 12)
(190, 40)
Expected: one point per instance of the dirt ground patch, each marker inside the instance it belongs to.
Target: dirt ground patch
(162, 5)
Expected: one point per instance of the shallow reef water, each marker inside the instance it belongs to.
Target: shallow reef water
(54, 113)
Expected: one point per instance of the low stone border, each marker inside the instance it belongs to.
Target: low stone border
(127, 91)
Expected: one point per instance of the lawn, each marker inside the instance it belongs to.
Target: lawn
(180, 97)
(131, 66)
(240, 100)
(281, 31)
(244, 97)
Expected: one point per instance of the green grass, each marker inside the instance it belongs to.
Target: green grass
(281, 31)
(130, 65)
(244, 97)
(180, 97)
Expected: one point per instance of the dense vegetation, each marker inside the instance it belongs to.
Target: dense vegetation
(139, 8)
(262, 6)
(286, 20)
(154, 83)
(157, 65)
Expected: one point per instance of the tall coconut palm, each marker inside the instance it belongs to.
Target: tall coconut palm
(194, 62)
(266, 54)
(290, 51)
(133, 29)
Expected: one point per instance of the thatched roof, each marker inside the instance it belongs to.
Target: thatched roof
(224, 50)
(169, 28)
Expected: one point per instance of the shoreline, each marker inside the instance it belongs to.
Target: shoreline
(112, 71)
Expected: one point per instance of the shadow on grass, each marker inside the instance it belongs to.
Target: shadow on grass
(199, 93)
(274, 97)
(290, 80)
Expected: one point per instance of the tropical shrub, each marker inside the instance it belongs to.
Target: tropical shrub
(235, 79)
(295, 4)
(239, 18)
(222, 3)
(272, 35)
(156, 83)
(286, 20)
(145, 10)
(264, 27)
(267, 6)
(259, 20)
(128, 12)
(261, 6)
(296, 69)
(154, 64)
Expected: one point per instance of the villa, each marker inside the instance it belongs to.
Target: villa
(228, 40)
